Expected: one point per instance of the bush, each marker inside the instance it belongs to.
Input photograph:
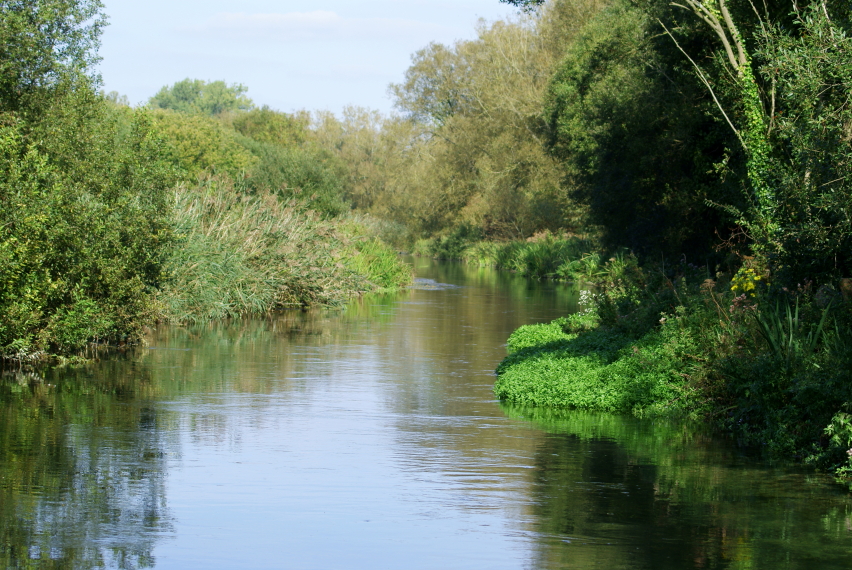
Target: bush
(295, 172)
(83, 224)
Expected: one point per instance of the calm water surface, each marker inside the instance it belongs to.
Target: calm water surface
(369, 438)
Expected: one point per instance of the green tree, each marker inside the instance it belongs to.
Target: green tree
(202, 144)
(636, 138)
(84, 224)
(267, 125)
(44, 43)
(198, 96)
(480, 105)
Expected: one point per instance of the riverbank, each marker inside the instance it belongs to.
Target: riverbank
(770, 367)
(545, 255)
(116, 218)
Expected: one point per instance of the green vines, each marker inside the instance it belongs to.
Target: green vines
(764, 225)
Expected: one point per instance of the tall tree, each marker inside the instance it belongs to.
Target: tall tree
(43, 43)
(198, 96)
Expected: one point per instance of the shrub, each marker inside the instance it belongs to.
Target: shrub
(83, 224)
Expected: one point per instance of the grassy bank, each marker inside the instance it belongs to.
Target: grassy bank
(238, 254)
(543, 256)
(771, 366)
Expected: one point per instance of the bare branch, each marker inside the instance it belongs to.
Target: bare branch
(712, 20)
(735, 34)
(706, 82)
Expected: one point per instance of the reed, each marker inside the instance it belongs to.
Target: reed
(238, 254)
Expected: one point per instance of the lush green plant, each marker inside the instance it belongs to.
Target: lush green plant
(239, 254)
(196, 96)
(202, 145)
(839, 451)
(309, 175)
(788, 336)
(268, 126)
(636, 141)
(44, 45)
(83, 224)
(601, 370)
(367, 255)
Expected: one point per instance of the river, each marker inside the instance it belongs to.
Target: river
(369, 438)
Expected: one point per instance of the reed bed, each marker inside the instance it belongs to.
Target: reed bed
(238, 254)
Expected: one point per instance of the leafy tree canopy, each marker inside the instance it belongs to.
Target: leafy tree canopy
(526, 5)
(43, 42)
(200, 97)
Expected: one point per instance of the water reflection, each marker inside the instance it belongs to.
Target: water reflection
(662, 494)
(369, 438)
(81, 472)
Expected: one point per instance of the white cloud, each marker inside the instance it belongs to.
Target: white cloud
(319, 25)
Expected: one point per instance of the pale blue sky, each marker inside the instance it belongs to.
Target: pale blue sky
(321, 54)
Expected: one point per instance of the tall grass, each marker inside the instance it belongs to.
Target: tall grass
(789, 336)
(240, 254)
(544, 256)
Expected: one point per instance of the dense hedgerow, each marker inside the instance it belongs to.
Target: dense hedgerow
(84, 224)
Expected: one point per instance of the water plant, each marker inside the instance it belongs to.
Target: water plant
(239, 254)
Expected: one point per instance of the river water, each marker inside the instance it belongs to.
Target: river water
(369, 438)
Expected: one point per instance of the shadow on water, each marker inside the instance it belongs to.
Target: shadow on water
(619, 492)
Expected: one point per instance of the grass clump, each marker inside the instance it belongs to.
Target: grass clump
(238, 254)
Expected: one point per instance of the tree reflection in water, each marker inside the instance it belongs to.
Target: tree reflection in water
(82, 471)
(614, 492)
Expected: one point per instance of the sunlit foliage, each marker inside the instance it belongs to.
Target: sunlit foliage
(198, 96)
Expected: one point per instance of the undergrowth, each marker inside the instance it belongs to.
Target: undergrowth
(770, 365)
(543, 256)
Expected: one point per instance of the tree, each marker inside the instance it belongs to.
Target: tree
(200, 97)
(269, 126)
(479, 104)
(630, 128)
(43, 43)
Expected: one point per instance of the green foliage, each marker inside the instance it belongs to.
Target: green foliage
(83, 225)
(454, 244)
(44, 44)
(543, 256)
(601, 370)
(268, 126)
(789, 337)
(839, 451)
(194, 96)
(203, 145)
(636, 141)
(307, 174)
(479, 159)
(369, 256)
(250, 254)
(808, 65)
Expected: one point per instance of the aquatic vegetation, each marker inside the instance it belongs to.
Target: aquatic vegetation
(603, 370)
(247, 254)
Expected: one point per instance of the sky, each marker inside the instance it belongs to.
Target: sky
(315, 55)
